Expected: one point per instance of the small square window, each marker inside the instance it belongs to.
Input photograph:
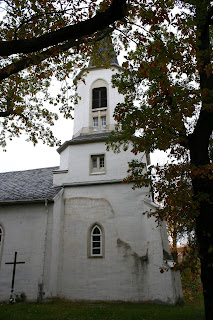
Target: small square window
(101, 162)
(95, 122)
(98, 163)
(103, 122)
(94, 162)
(99, 122)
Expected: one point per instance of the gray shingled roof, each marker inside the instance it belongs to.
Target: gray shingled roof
(28, 185)
(85, 138)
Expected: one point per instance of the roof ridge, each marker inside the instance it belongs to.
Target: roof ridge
(52, 167)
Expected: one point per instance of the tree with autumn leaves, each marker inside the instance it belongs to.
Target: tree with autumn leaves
(166, 79)
(41, 40)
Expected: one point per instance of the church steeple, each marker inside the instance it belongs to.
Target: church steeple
(103, 53)
(94, 112)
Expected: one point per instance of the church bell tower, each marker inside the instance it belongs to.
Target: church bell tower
(94, 112)
(104, 247)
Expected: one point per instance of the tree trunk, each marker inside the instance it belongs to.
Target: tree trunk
(199, 143)
(202, 181)
(204, 232)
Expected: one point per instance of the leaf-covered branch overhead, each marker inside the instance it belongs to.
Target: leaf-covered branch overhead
(100, 21)
(167, 80)
(41, 40)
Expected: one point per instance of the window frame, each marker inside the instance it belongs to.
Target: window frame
(99, 110)
(101, 98)
(91, 241)
(99, 121)
(100, 167)
(95, 123)
(103, 126)
(96, 244)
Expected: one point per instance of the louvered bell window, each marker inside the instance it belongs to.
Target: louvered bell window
(99, 98)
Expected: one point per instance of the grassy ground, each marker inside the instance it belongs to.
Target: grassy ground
(64, 310)
(193, 309)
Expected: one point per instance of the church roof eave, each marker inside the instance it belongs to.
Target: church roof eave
(30, 201)
(90, 68)
(82, 139)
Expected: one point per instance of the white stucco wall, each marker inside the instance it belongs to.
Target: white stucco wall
(78, 160)
(133, 255)
(25, 232)
(64, 159)
(55, 241)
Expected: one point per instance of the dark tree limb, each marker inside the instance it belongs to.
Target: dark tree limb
(36, 59)
(5, 113)
(100, 21)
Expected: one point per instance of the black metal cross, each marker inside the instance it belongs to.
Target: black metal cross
(15, 262)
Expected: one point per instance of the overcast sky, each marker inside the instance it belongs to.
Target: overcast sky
(22, 155)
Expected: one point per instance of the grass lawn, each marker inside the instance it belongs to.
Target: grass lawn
(64, 310)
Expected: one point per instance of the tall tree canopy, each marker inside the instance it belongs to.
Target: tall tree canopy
(41, 40)
(168, 85)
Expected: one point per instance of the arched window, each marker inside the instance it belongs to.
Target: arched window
(96, 241)
(99, 113)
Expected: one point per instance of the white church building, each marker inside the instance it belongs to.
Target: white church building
(81, 233)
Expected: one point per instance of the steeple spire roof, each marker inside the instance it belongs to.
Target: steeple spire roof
(103, 53)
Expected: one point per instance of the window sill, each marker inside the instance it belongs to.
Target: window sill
(99, 129)
(61, 171)
(98, 109)
(97, 173)
(95, 257)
